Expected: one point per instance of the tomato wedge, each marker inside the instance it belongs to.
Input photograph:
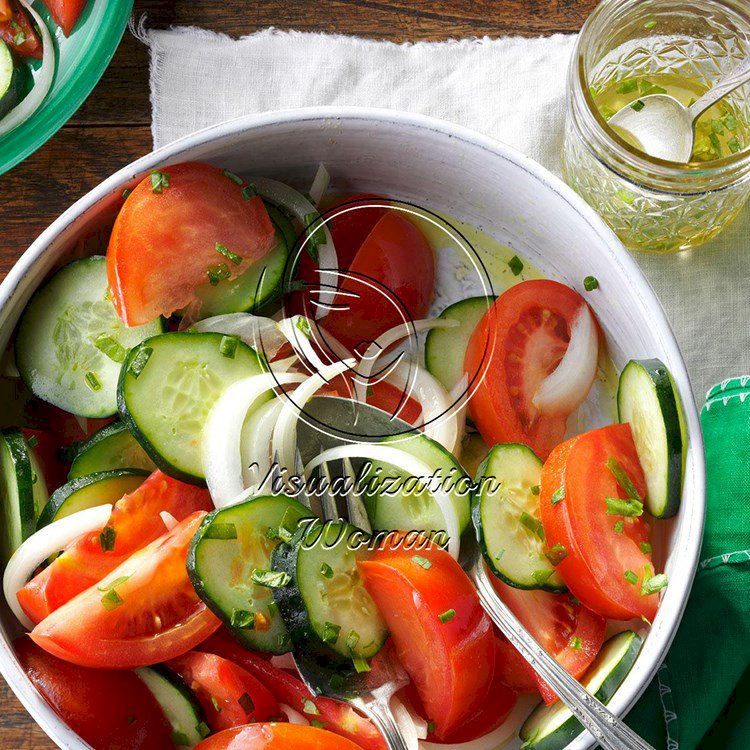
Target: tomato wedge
(19, 34)
(603, 551)
(442, 635)
(339, 718)
(65, 13)
(568, 631)
(275, 737)
(517, 344)
(229, 695)
(144, 612)
(110, 710)
(135, 522)
(167, 239)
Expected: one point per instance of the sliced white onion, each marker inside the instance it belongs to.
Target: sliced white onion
(413, 727)
(256, 444)
(301, 208)
(458, 397)
(320, 184)
(375, 350)
(45, 542)
(294, 717)
(406, 463)
(298, 331)
(284, 442)
(256, 331)
(169, 520)
(222, 433)
(42, 78)
(565, 389)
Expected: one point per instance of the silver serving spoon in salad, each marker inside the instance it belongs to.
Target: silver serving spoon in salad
(663, 127)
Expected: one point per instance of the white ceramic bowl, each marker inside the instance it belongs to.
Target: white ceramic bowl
(445, 168)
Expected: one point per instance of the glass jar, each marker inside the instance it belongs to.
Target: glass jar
(654, 205)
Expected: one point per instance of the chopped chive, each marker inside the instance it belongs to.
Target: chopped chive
(646, 548)
(326, 570)
(107, 539)
(249, 192)
(730, 121)
(607, 112)
(117, 582)
(221, 531)
(135, 368)
(32, 441)
(423, 562)
(331, 632)
(499, 555)
(309, 707)
(315, 723)
(303, 326)
(576, 643)
(574, 600)
(542, 576)
(227, 253)
(215, 704)
(556, 554)
(637, 105)
(717, 126)
(352, 640)
(271, 579)
(617, 506)
(159, 181)
(246, 703)
(649, 24)
(631, 577)
(646, 87)
(536, 489)
(92, 381)
(180, 739)
(516, 265)
(361, 665)
(131, 719)
(654, 584)
(716, 144)
(315, 234)
(646, 620)
(532, 524)
(236, 179)
(111, 348)
(619, 527)
(447, 616)
(112, 600)
(626, 196)
(203, 729)
(558, 496)
(19, 38)
(623, 479)
(627, 86)
(734, 144)
(126, 193)
(241, 618)
(590, 283)
(430, 727)
(218, 273)
(228, 346)
(273, 608)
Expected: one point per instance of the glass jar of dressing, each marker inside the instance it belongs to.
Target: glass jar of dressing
(632, 48)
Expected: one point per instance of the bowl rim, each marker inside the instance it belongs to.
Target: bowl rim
(681, 579)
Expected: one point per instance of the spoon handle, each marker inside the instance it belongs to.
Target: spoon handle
(607, 729)
(377, 708)
(735, 79)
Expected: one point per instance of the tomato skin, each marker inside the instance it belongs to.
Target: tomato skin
(65, 13)
(517, 344)
(598, 556)
(339, 718)
(136, 522)
(162, 244)
(32, 45)
(110, 710)
(276, 737)
(158, 617)
(451, 663)
(212, 678)
(511, 669)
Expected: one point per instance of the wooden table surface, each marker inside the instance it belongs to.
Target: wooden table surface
(112, 127)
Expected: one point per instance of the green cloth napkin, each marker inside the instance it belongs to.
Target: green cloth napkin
(700, 697)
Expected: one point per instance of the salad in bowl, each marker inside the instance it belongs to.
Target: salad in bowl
(253, 427)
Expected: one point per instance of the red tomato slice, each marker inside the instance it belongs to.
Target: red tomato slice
(442, 635)
(65, 13)
(339, 718)
(517, 344)
(19, 34)
(349, 229)
(229, 695)
(153, 615)
(110, 710)
(6, 12)
(164, 243)
(598, 556)
(135, 521)
(569, 632)
(276, 737)
(511, 669)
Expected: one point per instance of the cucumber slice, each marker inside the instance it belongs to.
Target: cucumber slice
(325, 605)
(505, 511)
(553, 727)
(56, 349)
(112, 447)
(408, 508)
(10, 81)
(646, 398)
(17, 506)
(445, 348)
(167, 387)
(257, 286)
(88, 492)
(229, 545)
(180, 708)
(39, 485)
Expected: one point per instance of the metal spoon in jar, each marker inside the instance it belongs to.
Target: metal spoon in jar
(665, 128)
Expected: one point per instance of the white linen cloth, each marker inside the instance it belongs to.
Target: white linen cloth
(512, 89)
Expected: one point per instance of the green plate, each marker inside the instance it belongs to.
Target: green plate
(82, 59)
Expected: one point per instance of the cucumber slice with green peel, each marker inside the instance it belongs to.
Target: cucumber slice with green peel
(39, 485)
(554, 727)
(169, 383)
(325, 605)
(228, 547)
(505, 511)
(647, 399)
(10, 80)
(178, 704)
(257, 286)
(112, 447)
(71, 342)
(445, 348)
(17, 503)
(409, 508)
(89, 491)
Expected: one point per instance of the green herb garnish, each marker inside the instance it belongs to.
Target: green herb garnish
(135, 368)
(180, 739)
(228, 346)
(619, 527)
(558, 496)
(203, 729)
(542, 576)
(117, 582)
(631, 577)
(534, 525)
(326, 570)
(315, 234)
(221, 531)
(734, 144)
(646, 548)
(361, 665)
(246, 703)
(19, 38)
(242, 618)
(331, 632)
(107, 539)
(236, 179)
(227, 253)
(159, 181)
(590, 283)
(218, 273)
(423, 562)
(617, 506)
(637, 105)
(516, 265)
(447, 616)
(111, 348)
(536, 489)
(576, 643)
(126, 193)
(622, 478)
(654, 584)
(650, 24)
(556, 554)
(271, 579)
(249, 192)
(112, 600)
(627, 86)
(92, 381)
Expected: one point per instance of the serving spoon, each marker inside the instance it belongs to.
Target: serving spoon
(664, 127)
